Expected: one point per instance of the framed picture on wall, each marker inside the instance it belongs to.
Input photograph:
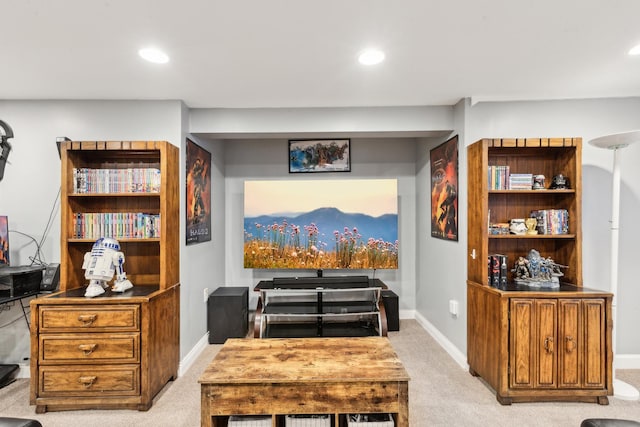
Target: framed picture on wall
(444, 190)
(198, 194)
(319, 155)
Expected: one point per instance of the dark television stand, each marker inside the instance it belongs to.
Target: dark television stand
(303, 307)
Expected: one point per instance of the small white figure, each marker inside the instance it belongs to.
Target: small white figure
(101, 263)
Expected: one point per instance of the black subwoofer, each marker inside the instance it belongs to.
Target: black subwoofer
(228, 313)
(390, 301)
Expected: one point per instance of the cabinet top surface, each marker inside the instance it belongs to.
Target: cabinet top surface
(77, 295)
(294, 360)
(565, 290)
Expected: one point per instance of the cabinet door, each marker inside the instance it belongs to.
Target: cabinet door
(522, 337)
(594, 343)
(570, 345)
(533, 360)
(546, 340)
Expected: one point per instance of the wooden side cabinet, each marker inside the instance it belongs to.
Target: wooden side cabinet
(539, 346)
(553, 339)
(117, 350)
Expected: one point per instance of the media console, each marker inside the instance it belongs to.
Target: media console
(342, 306)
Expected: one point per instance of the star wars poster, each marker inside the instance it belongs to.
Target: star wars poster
(198, 194)
(444, 190)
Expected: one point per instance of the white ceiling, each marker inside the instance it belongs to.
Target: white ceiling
(302, 53)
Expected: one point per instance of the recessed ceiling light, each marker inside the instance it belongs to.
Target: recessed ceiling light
(371, 57)
(635, 50)
(154, 55)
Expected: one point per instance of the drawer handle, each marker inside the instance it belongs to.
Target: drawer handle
(87, 381)
(548, 344)
(570, 344)
(87, 349)
(87, 319)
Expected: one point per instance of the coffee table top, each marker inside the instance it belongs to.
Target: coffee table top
(291, 360)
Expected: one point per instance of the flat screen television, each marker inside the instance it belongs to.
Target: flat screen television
(4, 241)
(321, 224)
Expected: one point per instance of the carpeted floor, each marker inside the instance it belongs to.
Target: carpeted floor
(441, 393)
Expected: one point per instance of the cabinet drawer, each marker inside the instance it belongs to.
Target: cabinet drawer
(116, 380)
(77, 318)
(88, 348)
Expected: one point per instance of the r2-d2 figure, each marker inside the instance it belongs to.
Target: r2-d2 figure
(101, 263)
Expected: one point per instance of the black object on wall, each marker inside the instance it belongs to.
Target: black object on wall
(228, 313)
(390, 301)
(5, 147)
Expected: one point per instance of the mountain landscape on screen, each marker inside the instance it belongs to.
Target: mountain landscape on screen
(331, 224)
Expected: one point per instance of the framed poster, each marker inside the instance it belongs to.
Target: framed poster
(444, 190)
(319, 155)
(198, 194)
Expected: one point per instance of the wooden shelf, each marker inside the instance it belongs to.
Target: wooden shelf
(131, 339)
(510, 328)
(532, 192)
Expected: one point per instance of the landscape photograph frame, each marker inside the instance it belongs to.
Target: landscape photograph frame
(319, 155)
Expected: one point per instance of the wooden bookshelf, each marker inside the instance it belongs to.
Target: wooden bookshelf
(116, 350)
(533, 344)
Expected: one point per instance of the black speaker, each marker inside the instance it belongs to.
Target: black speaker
(228, 313)
(390, 301)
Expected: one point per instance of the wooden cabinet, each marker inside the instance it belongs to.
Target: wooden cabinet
(532, 345)
(552, 340)
(116, 350)
(527, 343)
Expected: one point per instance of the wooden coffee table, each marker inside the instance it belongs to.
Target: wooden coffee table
(275, 377)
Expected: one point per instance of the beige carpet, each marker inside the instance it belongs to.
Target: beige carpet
(441, 393)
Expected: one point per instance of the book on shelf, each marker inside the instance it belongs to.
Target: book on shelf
(107, 181)
(497, 270)
(498, 177)
(118, 225)
(551, 221)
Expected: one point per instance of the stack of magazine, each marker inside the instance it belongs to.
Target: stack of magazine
(520, 181)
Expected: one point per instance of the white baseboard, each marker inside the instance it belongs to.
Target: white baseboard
(407, 314)
(25, 371)
(447, 345)
(627, 361)
(193, 354)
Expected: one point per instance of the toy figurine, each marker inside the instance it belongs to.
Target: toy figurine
(101, 263)
(536, 271)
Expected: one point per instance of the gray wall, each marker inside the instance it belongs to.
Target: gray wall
(32, 180)
(371, 158)
(441, 264)
(388, 142)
